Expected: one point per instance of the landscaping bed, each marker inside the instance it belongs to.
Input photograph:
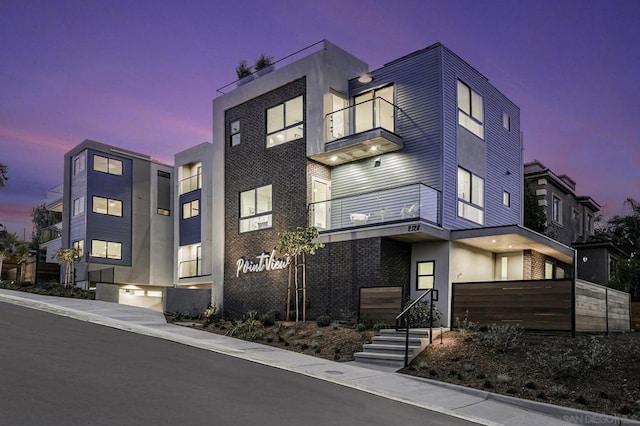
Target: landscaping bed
(48, 289)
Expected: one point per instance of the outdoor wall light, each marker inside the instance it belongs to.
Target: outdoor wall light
(365, 78)
(377, 162)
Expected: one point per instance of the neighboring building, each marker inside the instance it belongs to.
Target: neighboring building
(412, 173)
(570, 220)
(117, 212)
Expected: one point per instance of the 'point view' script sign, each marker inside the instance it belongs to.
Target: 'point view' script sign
(266, 262)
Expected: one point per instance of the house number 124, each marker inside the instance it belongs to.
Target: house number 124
(413, 228)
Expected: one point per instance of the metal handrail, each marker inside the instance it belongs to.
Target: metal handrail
(406, 322)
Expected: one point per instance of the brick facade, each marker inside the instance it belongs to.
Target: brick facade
(533, 265)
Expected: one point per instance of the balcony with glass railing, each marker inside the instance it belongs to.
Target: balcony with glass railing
(190, 183)
(54, 199)
(386, 206)
(363, 130)
(190, 268)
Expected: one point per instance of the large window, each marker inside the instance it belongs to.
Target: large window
(470, 110)
(191, 177)
(106, 249)
(285, 122)
(78, 206)
(107, 206)
(255, 209)
(107, 165)
(191, 209)
(470, 196)
(426, 275)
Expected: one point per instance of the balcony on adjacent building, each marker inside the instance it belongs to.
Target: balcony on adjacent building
(363, 130)
(190, 268)
(386, 206)
(191, 183)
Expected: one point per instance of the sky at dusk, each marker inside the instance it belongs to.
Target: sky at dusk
(142, 74)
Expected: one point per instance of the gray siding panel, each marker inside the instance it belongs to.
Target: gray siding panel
(417, 95)
(503, 154)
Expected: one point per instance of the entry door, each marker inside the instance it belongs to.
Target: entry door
(321, 207)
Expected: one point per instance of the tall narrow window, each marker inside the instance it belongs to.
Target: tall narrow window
(79, 246)
(78, 206)
(78, 164)
(506, 199)
(470, 196)
(470, 110)
(234, 131)
(285, 122)
(255, 209)
(163, 196)
(506, 121)
(556, 209)
(426, 275)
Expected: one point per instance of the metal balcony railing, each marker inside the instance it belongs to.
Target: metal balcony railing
(368, 115)
(404, 203)
(191, 183)
(190, 268)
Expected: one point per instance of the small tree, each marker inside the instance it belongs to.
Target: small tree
(535, 217)
(296, 244)
(8, 245)
(67, 257)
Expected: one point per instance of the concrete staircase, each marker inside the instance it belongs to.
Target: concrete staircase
(388, 348)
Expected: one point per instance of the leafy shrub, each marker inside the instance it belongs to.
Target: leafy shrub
(420, 314)
(381, 325)
(361, 326)
(323, 321)
(269, 319)
(596, 353)
(560, 391)
(466, 325)
(560, 365)
(502, 338)
(248, 329)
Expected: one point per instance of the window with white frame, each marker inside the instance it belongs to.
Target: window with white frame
(106, 249)
(426, 272)
(78, 206)
(107, 165)
(556, 209)
(234, 131)
(190, 209)
(506, 198)
(470, 110)
(470, 196)
(107, 206)
(255, 209)
(78, 164)
(506, 121)
(79, 246)
(285, 122)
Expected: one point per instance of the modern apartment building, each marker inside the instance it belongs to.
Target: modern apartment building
(117, 207)
(412, 173)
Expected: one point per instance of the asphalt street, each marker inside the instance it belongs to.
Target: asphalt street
(61, 371)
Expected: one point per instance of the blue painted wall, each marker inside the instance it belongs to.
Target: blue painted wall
(190, 228)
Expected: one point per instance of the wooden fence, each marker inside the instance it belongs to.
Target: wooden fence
(542, 305)
(601, 309)
(380, 304)
(534, 305)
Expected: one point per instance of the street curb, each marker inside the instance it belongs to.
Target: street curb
(566, 414)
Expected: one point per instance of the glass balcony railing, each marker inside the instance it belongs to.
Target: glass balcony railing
(190, 268)
(368, 115)
(411, 202)
(191, 183)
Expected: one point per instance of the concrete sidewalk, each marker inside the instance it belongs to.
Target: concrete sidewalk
(470, 404)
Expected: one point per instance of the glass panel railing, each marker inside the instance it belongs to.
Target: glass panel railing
(368, 115)
(411, 202)
(190, 268)
(190, 184)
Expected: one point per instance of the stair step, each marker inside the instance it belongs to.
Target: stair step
(394, 360)
(390, 349)
(414, 332)
(397, 340)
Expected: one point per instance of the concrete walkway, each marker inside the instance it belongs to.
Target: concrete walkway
(470, 404)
